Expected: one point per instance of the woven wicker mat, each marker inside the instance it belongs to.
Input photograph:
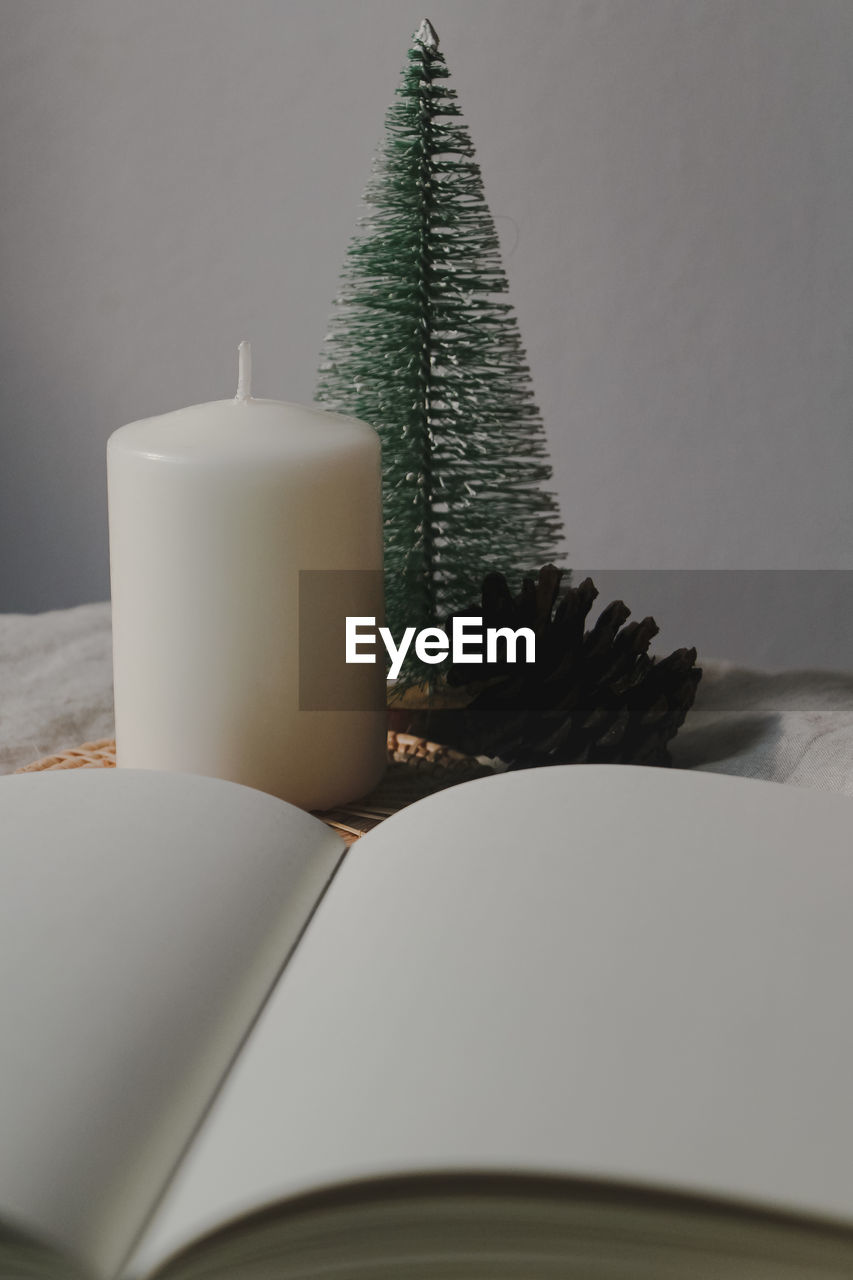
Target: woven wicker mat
(416, 768)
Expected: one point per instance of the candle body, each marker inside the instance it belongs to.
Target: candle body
(214, 511)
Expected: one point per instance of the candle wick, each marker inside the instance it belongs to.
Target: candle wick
(244, 371)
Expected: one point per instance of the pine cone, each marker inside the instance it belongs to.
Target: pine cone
(590, 696)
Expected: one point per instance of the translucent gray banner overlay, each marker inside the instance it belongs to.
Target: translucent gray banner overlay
(327, 597)
(769, 640)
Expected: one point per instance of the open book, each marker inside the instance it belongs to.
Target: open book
(589, 1021)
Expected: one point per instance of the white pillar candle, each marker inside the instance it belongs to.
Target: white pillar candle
(214, 510)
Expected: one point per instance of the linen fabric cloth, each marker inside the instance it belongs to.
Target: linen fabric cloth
(792, 726)
(788, 726)
(55, 682)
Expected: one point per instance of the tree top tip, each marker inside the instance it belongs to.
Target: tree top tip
(426, 35)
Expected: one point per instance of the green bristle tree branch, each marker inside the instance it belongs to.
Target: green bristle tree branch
(423, 347)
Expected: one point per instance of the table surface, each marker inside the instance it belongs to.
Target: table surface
(790, 726)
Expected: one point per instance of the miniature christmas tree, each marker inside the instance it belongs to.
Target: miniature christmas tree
(423, 349)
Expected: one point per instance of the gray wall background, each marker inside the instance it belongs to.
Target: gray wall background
(673, 184)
